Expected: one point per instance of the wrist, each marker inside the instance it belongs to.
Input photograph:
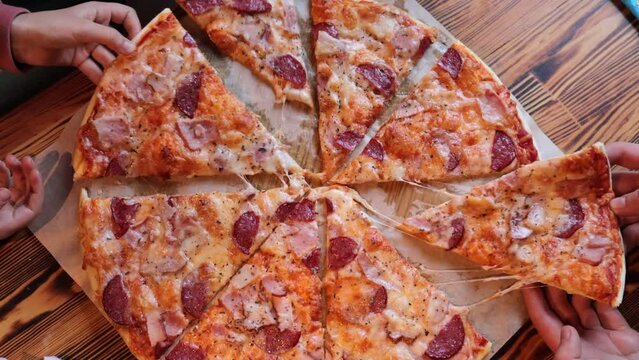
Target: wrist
(7, 15)
(19, 39)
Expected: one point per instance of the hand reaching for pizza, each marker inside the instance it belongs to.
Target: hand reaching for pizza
(21, 194)
(575, 329)
(78, 36)
(626, 187)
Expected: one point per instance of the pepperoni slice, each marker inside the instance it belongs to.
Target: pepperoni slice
(273, 341)
(251, 7)
(115, 300)
(451, 62)
(375, 150)
(449, 340)
(122, 214)
(341, 251)
(458, 226)
(197, 7)
(184, 351)
(312, 260)
(348, 140)
(326, 27)
(187, 94)
(194, 296)
(115, 167)
(329, 206)
(379, 300)
(452, 162)
(244, 231)
(188, 40)
(424, 44)
(574, 222)
(304, 211)
(290, 69)
(380, 77)
(504, 151)
(283, 210)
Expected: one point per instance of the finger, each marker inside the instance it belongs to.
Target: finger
(103, 56)
(120, 14)
(36, 195)
(558, 301)
(91, 70)
(18, 187)
(624, 154)
(610, 317)
(26, 165)
(631, 237)
(626, 205)
(570, 346)
(628, 220)
(5, 175)
(90, 32)
(544, 320)
(5, 196)
(625, 182)
(587, 315)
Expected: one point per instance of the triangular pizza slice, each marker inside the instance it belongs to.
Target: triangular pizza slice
(272, 307)
(155, 262)
(364, 50)
(378, 306)
(549, 221)
(163, 111)
(263, 35)
(460, 121)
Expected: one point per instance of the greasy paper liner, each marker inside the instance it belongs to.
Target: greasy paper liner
(295, 126)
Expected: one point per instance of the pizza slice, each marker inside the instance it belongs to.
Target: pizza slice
(263, 35)
(364, 51)
(163, 111)
(272, 307)
(460, 121)
(378, 306)
(547, 222)
(155, 262)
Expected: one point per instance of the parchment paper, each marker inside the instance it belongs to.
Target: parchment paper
(295, 126)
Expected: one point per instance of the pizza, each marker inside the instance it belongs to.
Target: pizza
(364, 50)
(272, 307)
(459, 122)
(263, 35)
(378, 306)
(155, 262)
(163, 111)
(547, 222)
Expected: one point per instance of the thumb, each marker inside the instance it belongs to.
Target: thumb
(569, 345)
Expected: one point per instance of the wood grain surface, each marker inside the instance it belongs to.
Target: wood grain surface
(573, 65)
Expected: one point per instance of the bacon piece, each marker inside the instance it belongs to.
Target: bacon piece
(245, 230)
(451, 62)
(273, 286)
(197, 134)
(232, 301)
(174, 323)
(381, 77)
(341, 251)
(122, 214)
(273, 341)
(284, 310)
(115, 300)
(290, 69)
(112, 131)
(503, 151)
(187, 95)
(448, 341)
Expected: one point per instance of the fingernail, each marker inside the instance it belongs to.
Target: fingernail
(618, 203)
(566, 332)
(129, 47)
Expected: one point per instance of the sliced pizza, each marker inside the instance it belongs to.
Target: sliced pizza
(272, 308)
(263, 35)
(364, 51)
(547, 222)
(163, 111)
(378, 306)
(460, 121)
(155, 262)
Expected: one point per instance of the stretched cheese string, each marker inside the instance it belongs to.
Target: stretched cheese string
(432, 188)
(249, 186)
(426, 270)
(485, 279)
(513, 287)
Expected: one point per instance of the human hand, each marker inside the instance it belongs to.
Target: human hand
(21, 194)
(626, 186)
(78, 36)
(576, 329)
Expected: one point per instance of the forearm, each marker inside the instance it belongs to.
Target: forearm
(7, 14)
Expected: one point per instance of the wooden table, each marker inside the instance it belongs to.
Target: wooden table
(573, 64)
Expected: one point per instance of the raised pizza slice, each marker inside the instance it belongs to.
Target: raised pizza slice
(163, 111)
(378, 306)
(549, 221)
(155, 262)
(263, 35)
(460, 121)
(272, 308)
(364, 51)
